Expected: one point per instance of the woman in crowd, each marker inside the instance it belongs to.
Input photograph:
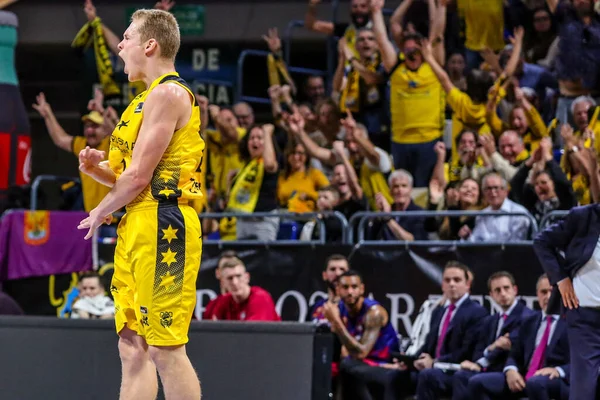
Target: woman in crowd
(469, 199)
(298, 183)
(254, 187)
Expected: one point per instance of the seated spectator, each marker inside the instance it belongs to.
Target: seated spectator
(404, 228)
(502, 228)
(329, 198)
(209, 310)
(298, 183)
(93, 303)
(364, 329)
(469, 199)
(538, 364)
(254, 187)
(541, 186)
(243, 302)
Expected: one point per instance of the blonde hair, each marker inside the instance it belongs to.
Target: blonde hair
(161, 26)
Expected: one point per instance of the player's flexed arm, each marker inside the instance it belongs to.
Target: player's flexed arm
(167, 108)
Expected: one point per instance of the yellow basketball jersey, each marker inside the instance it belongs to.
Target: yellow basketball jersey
(174, 177)
(417, 103)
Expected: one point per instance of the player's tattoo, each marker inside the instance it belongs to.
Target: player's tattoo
(375, 320)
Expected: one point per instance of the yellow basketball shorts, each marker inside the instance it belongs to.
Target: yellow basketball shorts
(157, 260)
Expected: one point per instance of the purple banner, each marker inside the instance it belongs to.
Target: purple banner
(41, 243)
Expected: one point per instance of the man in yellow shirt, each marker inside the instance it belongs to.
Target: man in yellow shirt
(417, 99)
(484, 25)
(95, 135)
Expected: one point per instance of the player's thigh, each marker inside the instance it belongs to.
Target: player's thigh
(165, 260)
(122, 285)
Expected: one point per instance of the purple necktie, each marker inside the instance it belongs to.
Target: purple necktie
(445, 326)
(504, 316)
(540, 350)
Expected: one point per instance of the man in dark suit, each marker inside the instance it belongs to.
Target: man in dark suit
(452, 335)
(497, 333)
(538, 364)
(569, 252)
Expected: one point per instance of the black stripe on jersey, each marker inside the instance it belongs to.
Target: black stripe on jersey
(170, 255)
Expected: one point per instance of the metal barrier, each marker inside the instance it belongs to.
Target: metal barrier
(35, 186)
(261, 53)
(281, 215)
(365, 216)
(548, 218)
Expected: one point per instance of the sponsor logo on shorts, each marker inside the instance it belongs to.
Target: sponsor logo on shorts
(138, 108)
(143, 310)
(166, 319)
(144, 321)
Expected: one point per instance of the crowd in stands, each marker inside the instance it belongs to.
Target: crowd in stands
(448, 105)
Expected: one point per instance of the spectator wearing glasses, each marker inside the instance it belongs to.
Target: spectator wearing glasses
(498, 228)
(541, 43)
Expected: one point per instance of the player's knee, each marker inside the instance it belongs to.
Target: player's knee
(163, 356)
(132, 352)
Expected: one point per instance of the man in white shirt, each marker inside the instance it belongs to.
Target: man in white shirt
(507, 228)
(569, 252)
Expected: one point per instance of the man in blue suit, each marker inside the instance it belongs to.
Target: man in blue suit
(538, 364)
(497, 333)
(453, 333)
(569, 252)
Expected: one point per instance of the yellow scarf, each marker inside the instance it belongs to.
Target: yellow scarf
(246, 187)
(92, 33)
(275, 67)
(373, 182)
(350, 97)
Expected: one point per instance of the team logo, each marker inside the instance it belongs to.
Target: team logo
(143, 310)
(138, 108)
(36, 227)
(144, 321)
(166, 319)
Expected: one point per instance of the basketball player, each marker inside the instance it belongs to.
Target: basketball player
(155, 150)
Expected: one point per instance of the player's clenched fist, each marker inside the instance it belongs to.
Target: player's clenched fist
(90, 158)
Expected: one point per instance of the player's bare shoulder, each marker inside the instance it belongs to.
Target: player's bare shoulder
(170, 99)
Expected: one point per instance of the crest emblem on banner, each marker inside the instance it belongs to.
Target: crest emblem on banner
(36, 229)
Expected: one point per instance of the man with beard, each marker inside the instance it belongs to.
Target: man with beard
(359, 14)
(368, 339)
(335, 267)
